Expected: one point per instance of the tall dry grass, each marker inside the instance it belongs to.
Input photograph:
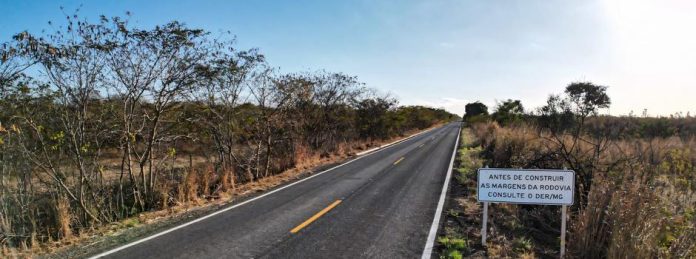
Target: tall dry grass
(639, 193)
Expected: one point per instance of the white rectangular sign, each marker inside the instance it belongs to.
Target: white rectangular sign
(543, 187)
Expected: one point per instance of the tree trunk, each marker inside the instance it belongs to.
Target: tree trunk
(268, 155)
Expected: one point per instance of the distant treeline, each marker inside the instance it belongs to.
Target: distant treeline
(94, 115)
(626, 127)
(511, 113)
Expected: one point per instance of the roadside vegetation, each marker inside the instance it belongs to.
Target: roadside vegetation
(103, 121)
(458, 236)
(635, 180)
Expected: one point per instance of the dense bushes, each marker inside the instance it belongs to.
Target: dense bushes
(629, 127)
(475, 112)
(118, 120)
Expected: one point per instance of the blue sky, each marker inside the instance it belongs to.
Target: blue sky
(445, 53)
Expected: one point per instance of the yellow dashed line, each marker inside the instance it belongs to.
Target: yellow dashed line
(397, 161)
(315, 217)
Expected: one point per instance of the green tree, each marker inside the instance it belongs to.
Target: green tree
(509, 111)
(475, 111)
(587, 98)
(565, 117)
(372, 117)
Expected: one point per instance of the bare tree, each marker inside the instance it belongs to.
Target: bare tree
(152, 70)
(91, 115)
(13, 58)
(227, 82)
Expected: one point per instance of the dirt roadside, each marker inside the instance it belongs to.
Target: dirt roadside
(459, 235)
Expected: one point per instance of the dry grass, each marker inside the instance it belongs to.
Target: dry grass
(63, 218)
(199, 188)
(640, 195)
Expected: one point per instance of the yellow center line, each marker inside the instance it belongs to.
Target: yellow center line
(397, 161)
(315, 217)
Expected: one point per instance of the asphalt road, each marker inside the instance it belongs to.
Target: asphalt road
(380, 205)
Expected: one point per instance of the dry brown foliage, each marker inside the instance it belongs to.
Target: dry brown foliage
(639, 201)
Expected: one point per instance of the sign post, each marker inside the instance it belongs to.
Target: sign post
(563, 228)
(526, 186)
(484, 223)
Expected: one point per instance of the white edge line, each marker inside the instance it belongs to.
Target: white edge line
(244, 202)
(430, 243)
(367, 151)
(390, 144)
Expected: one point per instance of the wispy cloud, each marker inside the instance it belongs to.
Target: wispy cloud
(453, 105)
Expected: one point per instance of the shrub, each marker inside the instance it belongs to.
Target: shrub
(454, 254)
(522, 245)
(454, 244)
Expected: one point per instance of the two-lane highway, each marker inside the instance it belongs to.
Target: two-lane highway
(380, 205)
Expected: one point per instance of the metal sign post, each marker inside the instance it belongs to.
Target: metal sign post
(564, 217)
(484, 223)
(564, 208)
